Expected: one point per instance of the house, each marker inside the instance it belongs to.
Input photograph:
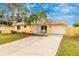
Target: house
(42, 27)
(22, 27)
(57, 26)
(5, 28)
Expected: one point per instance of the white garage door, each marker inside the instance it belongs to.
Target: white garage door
(57, 29)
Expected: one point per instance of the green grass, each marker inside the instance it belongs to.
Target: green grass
(6, 38)
(69, 46)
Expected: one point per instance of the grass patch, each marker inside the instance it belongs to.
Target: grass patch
(6, 38)
(69, 46)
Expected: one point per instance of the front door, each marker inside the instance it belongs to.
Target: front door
(44, 29)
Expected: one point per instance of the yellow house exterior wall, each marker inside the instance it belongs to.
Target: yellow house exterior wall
(6, 29)
(27, 29)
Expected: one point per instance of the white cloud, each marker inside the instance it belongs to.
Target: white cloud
(64, 8)
(64, 17)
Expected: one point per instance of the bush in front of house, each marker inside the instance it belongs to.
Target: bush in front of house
(0, 31)
(13, 32)
(23, 32)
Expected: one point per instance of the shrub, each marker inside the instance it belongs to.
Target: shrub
(0, 31)
(13, 32)
(23, 32)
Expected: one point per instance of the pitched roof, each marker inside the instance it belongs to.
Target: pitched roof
(19, 23)
(58, 22)
(45, 22)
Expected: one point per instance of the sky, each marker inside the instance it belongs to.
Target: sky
(56, 11)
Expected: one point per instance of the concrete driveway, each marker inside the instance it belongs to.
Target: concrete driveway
(32, 46)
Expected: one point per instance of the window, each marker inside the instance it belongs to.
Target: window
(44, 28)
(18, 27)
(24, 26)
(41, 27)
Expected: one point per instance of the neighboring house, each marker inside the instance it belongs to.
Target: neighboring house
(5, 28)
(42, 27)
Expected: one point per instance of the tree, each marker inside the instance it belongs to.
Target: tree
(23, 11)
(35, 16)
(42, 14)
(76, 23)
(19, 19)
(20, 13)
(2, 14)
(14, 8)
(26, 19)
(18, 10)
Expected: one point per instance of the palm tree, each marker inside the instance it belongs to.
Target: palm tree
(42, 14)
(35, 16)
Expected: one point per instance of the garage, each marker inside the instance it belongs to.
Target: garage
(58, 29)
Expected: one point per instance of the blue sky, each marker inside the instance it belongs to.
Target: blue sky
(56, 11)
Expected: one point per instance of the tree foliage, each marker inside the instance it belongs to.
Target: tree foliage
(76, 23)
(42, 14)
(35, 16)
(2, 14)
(20, 13)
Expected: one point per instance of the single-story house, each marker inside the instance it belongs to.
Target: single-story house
(42, 27)
(5, 28)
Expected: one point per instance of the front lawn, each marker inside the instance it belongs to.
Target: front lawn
(69, 46)
(6, 38)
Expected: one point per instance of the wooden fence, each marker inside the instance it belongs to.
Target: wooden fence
(72, 31)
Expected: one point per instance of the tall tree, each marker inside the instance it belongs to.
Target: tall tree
(2, 14)
(18, 10)
(26, 19)
(35, 16)
(14, 8)
(23, 11)
(19, 19)
(42, 14)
